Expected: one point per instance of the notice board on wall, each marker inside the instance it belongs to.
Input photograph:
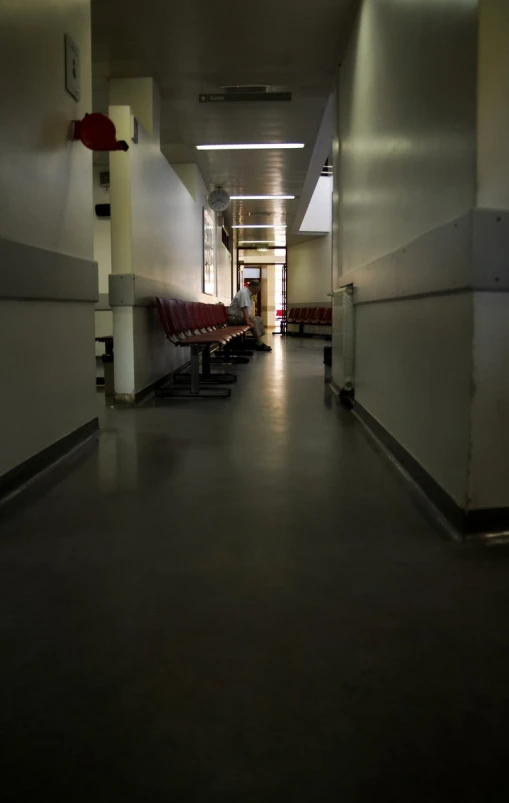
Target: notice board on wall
(209, 264)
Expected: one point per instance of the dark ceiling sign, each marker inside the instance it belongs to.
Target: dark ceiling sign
(244, 97)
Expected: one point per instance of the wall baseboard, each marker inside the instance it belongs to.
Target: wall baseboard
(466, 522)
(140, 395)
(42, 469)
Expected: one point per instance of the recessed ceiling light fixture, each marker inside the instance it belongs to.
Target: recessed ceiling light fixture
(253, 146)
(257, 242)
(259, 226)
(262, 197)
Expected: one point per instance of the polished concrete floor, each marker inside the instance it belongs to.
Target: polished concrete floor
(240, 601)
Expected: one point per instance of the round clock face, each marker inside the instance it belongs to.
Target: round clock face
(219, 200)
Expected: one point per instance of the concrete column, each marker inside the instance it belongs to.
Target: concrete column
(142, 95)
(269, 296)
(130, 97)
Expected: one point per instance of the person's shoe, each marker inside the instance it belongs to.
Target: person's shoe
(262, 347)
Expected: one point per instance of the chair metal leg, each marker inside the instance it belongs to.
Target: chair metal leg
(196, 389)
(206, 377)
(229, 360)
(172, 392)
(213, 379)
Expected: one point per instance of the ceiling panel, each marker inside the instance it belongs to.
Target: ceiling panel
(200, 46)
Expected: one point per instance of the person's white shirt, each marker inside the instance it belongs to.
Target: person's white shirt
(241, 300)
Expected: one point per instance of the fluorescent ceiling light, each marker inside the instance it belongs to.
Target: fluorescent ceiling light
(259, 226)
(257, 242)
(262, 197)
(255, 146)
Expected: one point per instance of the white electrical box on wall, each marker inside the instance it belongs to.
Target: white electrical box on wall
(72, 68)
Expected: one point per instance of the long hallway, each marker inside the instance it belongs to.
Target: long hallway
(239, 601)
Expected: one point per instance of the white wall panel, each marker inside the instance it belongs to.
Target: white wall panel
(404, 189)
(46, 347)
(318, 217)
(48, 375)
(45, 177)
(407, 118)
(413, 368)
(309, 271)
(157, 235)
(167, 228)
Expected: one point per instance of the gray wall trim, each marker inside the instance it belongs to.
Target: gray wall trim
(308, 304)
(132, 290)
(29, 273)
(44, 468)
(420, 296)
(470, 253)
(103, 305)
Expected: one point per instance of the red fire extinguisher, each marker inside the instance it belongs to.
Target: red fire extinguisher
(98, 133)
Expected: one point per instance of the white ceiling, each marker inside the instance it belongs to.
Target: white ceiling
(194, 46)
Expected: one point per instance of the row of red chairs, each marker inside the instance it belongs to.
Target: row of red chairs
(192, 323)
(317, 316)
(200, 326)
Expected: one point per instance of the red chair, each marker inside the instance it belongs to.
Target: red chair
(217, 315)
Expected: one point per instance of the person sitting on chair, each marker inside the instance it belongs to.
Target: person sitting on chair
(239, 312)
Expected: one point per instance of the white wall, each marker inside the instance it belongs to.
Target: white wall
(318, 217)
(407, 120)
(406, 148)
(48, 375)
(45, 178)
(167, 228)
(413, 373)
(157, 233)
(46, 347)
(309, 271)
